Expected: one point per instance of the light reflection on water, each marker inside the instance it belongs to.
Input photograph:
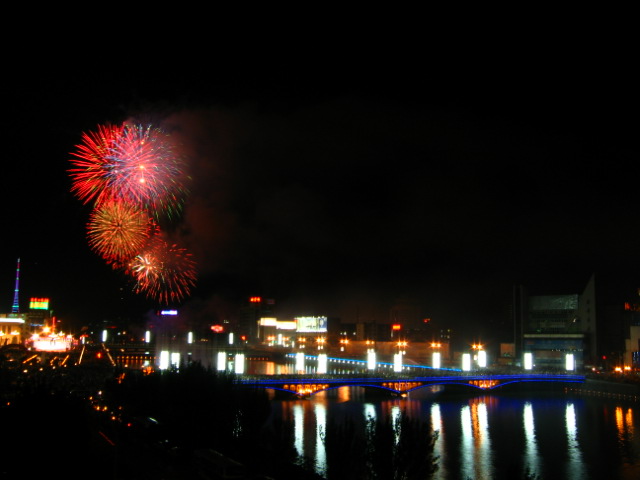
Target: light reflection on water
(497, 436)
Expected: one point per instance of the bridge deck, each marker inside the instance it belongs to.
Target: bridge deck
(304, 385)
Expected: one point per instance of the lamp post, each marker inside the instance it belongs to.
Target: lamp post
(481, 355)
(528, 360)
(397, 358)
(435, 356)
(322, 357)
(371, 355)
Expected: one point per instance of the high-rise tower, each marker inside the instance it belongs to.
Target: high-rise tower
(16, 304)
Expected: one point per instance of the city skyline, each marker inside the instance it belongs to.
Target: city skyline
(344, 198)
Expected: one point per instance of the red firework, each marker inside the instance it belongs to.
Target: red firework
(145, 169)
(91, 173)
(117, 231)
(163, 272)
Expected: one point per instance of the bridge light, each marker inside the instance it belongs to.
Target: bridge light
(466, 362)
(397, 362)
(300, 362)
(322, 363)
(569, 362)
(436, 359)
(482, 359)
(371, 359)
(528, 361)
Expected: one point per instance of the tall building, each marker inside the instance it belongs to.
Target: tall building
(552, 326)
(15, 308)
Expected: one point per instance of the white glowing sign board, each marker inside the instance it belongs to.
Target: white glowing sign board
(311, 324)
(286, 325)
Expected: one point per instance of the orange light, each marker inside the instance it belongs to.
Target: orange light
(396, 326)
(255, 299)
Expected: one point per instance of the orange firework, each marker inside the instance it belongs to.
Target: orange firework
(118, 231)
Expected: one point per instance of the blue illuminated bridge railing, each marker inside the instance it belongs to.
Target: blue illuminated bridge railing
(305, 386)
(413, 377)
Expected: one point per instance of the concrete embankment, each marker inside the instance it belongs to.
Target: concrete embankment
(607, 389)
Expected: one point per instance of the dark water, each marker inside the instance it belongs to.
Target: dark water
(498, 436)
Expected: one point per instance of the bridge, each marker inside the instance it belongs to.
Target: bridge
(303, 386)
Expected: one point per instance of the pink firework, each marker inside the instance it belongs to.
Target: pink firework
(145, 170)
(163, 272)
(91, 172)
(117, 231)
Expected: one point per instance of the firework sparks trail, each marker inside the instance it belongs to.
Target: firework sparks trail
(163, 272)
(117, 231)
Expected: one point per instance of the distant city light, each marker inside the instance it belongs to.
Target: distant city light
(175, 359)
(239, 363)
(222, 361)
(169, 312)
(164, 360)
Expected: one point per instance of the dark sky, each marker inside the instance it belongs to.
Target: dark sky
(436, 181)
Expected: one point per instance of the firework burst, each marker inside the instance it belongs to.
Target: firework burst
(90, 174)
(117, 231)
(146, 171)
(135, 178)
(163, 272)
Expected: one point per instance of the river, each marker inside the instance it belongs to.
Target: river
(510, 435)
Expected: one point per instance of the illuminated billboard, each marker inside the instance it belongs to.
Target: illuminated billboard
(311, 324)
(36, 303)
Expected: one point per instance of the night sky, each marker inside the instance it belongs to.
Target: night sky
(344, 190)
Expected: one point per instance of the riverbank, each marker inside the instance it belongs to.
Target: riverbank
(615, 387)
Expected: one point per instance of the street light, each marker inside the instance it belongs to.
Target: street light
(481, 356)
(371, 355)
(528, 361)
(397, 358)
(436, 354)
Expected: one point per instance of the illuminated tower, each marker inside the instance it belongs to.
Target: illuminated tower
(16, 304)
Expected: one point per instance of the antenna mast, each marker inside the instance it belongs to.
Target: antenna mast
(16, 304)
